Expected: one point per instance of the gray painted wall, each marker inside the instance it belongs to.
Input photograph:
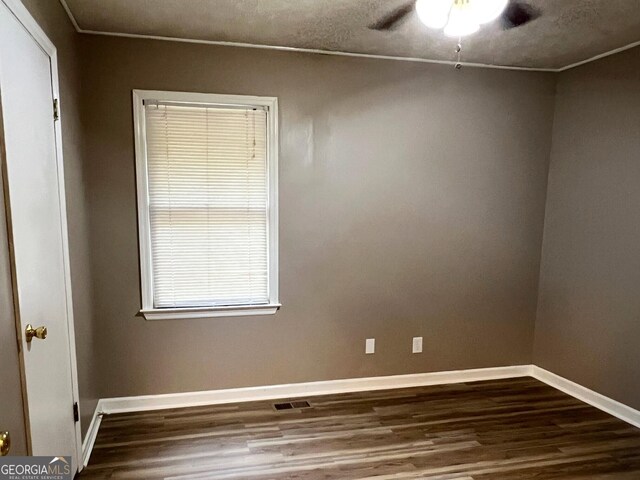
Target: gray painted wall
(51, 16)
(411, 203)
(588, 327)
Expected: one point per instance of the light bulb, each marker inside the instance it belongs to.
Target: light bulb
(462, 21)
(434, 13)
(487, 10)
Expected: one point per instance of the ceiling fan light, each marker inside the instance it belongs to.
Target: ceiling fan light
(462, 21)
(488, 10)
(458, 30)
(434, 13)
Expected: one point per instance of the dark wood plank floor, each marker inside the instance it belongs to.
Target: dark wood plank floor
(507, 429)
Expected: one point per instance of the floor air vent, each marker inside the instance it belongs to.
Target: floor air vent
(291, 405)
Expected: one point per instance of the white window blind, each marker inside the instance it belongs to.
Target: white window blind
(208, 204)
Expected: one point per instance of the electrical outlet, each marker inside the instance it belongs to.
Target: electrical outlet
(417, 345)
(370, 346)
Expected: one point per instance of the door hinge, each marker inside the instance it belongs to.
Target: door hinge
(56, 110)
(76, 413)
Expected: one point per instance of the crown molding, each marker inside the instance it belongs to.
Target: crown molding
(342, 54)
(600, 56)
(70, 15)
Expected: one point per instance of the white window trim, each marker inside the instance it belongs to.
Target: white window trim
(144, 230)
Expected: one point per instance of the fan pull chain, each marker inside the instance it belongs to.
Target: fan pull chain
(459, 54)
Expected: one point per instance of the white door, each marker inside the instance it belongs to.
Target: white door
(37, 231)
(11, 406)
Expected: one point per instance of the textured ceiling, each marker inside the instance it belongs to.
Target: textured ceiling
(569, 31)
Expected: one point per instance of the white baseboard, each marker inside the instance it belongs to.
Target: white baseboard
(90, 437)
(595, 399)
(270, 392)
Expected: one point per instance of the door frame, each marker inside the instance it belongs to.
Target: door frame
(21, 13)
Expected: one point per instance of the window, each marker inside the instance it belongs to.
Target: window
(207, 175)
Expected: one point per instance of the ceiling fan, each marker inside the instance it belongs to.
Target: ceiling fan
(460, 17)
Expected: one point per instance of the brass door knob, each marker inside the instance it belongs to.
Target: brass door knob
(40, 332)
(5, 443)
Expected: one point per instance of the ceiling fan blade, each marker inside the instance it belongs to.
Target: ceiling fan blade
(518, 14)
(395, 18)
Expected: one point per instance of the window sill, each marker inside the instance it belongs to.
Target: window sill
(209, 312)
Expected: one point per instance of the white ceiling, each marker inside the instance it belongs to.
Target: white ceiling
(568, 32)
